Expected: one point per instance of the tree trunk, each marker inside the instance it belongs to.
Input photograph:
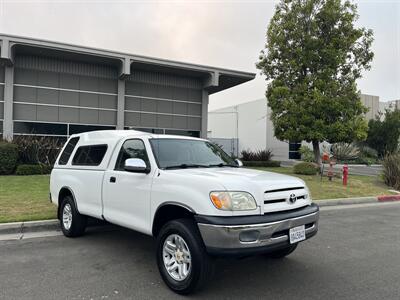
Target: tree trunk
(317, 153)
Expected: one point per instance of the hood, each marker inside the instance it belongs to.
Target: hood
(240, 178)
(264, 186)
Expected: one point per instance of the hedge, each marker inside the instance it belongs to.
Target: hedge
(306, 168)
(267, 163)
(33, 169)
(29, 170)
(8, 157)
(46, 169)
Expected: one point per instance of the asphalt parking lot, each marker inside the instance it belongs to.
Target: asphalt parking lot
(356, 255)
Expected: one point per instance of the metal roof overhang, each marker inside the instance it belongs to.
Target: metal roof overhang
(214, 79)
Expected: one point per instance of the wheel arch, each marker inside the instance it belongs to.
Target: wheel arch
(169, 211)
(65, 191)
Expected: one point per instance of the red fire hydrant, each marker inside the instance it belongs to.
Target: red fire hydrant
(345, 174)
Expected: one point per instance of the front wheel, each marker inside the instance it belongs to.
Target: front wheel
(182, 259)
(281, 253)
(72, 223)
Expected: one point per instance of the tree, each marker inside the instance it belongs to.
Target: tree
(313, 56)
(384, 135)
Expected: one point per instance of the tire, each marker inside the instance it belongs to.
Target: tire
(281, 253)
(199, 269)
(76, 224)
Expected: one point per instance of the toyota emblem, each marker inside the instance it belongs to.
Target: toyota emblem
(292, 198)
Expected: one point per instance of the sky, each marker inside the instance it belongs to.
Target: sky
(228, 34)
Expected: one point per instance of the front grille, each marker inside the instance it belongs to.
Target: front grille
(285, 189)
(274, 201)
(274, 198)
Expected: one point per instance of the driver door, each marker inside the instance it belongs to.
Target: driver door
(126, 195)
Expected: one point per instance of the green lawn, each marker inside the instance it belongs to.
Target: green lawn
(358, 186)
(25, 198)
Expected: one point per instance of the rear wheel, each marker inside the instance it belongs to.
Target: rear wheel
(182, 259)
(281, 253)
(72, 223)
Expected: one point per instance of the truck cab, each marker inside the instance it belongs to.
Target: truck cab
(190, 195)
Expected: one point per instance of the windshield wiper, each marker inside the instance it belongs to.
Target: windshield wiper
(222, 165)
(184, 166)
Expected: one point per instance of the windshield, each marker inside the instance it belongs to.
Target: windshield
(181, 153)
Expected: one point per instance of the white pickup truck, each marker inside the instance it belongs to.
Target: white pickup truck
(186, 192)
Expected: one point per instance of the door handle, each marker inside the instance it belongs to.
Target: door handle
(113, 179)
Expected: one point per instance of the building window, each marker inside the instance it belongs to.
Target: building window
(89, 155)
(166, 131)
(183, 132)
(40, 128)
(74, 129)
(151, 130)
(66, 154)
(294, 150)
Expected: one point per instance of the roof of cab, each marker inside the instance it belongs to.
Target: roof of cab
(113, 136)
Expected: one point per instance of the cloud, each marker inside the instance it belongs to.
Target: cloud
(222, 33)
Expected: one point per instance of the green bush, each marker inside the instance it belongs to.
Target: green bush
(391, 170)
(345, 151)
(267, 164)
(259, 155)
(8, 157)
(384, 133)
(29, 170)
(367, 156)
(306, 154)
(46, 169)
(306, 168)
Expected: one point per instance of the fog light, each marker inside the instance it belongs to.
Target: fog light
(249, 236)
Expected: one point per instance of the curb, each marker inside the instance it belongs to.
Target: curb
(29, 226)
(360, 200)
(345, 201)
(386, 198)
(54, 225)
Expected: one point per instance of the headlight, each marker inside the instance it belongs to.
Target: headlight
(307, 196)
(233, 200)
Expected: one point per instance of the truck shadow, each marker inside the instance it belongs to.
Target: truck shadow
(257, 276)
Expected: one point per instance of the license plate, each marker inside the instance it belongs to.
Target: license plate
(297, 234)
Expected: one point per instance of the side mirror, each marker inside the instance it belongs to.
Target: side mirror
(136, 165)
(239, 162)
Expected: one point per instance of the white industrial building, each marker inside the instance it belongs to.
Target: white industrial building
(247, 126)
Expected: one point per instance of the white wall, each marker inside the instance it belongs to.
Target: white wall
(279, 149)
(250, 124)
(372, 103)
(222, 123)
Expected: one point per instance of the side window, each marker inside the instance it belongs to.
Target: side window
(66, 154)
(89, 155)
(131, 149)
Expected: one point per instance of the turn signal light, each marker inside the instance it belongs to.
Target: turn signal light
(221, 200)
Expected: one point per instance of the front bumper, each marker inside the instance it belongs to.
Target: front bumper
(248, 235)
